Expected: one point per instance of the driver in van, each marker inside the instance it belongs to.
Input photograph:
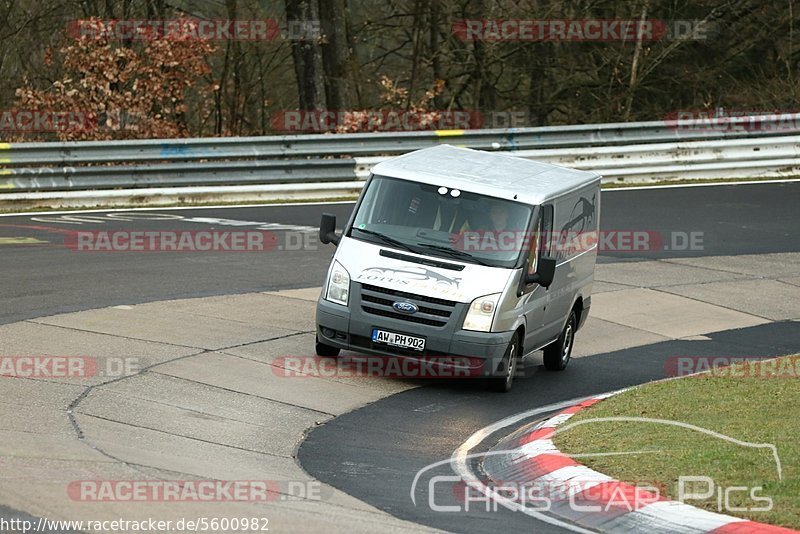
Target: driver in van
(499, 220)
(499, 217)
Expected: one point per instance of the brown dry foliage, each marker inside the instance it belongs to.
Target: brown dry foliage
(396, 97)
(126, 90)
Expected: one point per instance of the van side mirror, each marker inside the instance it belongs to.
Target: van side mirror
(327, 229)
(545, 272)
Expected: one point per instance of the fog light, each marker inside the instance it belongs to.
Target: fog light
(327, 332)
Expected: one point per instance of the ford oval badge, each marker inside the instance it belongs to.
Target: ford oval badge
(405, 307)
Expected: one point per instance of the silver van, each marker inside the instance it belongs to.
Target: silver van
(451, 252)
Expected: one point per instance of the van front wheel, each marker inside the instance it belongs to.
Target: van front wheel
(557, 353)
(326, 351)
(502, 384)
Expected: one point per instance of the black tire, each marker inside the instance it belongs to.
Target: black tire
(326, 351)
(510, 360)
(558, 353)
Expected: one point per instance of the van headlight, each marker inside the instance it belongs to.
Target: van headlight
(338, 285)
(481, 313)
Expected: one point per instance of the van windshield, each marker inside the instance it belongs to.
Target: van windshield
(439, 221)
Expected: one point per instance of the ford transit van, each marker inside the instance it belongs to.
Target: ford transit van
(465, 258)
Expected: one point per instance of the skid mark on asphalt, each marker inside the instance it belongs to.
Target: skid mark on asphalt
(21, 241)
(138, 217)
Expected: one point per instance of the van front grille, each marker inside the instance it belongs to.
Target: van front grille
(389, 302)
(431, 311)
(412, 296)
(403, 317)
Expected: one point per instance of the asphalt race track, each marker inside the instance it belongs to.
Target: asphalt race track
(49, 278)
(744, 268)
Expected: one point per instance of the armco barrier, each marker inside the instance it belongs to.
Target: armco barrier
(639, 152)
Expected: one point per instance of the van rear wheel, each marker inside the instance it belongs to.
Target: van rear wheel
(558, 353)
(326, 351)
(502, 384)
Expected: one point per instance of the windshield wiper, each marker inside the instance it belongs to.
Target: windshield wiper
(455, 253)
(386, 239)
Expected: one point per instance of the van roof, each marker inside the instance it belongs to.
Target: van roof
(489, 173)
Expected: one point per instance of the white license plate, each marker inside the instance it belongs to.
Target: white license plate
(398, 340)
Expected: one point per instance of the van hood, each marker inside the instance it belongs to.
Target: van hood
(366, 266)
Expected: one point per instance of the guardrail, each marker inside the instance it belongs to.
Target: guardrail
(726, 158)
(365, 144)
(640, 151)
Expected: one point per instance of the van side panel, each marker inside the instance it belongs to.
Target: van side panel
(576, 225)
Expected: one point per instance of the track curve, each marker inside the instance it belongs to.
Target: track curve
(202, 388)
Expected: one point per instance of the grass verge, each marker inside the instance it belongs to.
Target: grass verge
(755, 402)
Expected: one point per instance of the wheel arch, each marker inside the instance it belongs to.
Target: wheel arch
(578, 308)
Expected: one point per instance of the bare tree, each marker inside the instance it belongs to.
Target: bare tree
(335, 52)
(307, 56)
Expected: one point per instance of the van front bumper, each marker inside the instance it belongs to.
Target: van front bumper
(474, 353)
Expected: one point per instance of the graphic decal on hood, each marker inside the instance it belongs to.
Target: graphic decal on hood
(412, 278)
(366, 266)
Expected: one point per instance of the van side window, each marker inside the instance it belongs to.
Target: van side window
(533, 255)
(542, 238)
